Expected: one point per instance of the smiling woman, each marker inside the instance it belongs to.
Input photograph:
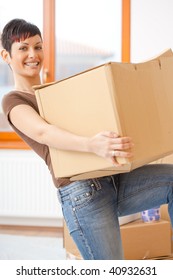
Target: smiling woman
(28, 58)
(27, 47)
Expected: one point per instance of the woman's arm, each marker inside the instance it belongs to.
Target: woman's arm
(28, 121)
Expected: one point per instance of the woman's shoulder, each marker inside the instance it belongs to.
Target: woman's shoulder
(14, 98)
(13, 94)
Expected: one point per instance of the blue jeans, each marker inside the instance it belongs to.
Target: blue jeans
(91, 207)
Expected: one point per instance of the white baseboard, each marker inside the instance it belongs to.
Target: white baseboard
(27, 221)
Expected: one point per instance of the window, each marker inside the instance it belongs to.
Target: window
(88, 33)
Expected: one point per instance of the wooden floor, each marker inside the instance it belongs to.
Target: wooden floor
(31, 230)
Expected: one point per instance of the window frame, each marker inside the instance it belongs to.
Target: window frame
(10, 140)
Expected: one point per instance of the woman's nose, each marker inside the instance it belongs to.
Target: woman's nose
(31, 53)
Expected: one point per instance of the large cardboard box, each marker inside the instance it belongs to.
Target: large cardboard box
(140, 241)
(131, 99)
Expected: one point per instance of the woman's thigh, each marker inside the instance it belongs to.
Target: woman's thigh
(90, 211)
(145, 188)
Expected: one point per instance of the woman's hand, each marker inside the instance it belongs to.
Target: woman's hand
(109, 145)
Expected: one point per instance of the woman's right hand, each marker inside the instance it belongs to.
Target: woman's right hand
(110, 145)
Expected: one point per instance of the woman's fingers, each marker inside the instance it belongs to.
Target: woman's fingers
(116, 153)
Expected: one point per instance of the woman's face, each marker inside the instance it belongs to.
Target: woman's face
(27, 57)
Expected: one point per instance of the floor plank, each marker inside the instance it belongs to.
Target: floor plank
(32, 230)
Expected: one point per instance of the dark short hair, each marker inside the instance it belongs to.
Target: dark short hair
(17, 29)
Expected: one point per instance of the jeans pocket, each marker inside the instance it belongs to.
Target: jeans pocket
(83, 195)
(74, 197)
(79, 193)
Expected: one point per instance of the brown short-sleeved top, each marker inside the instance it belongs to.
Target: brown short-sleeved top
(15, 98)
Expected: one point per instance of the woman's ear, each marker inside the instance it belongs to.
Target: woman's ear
(5, 56)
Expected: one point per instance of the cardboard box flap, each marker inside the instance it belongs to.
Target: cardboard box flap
(165, 53)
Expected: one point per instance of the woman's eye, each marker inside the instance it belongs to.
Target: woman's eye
(39, 48)
(22, 48)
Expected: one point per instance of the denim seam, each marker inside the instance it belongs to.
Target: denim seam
(139, 191)
(78, 207)
(76, 186)
(84, 240)
(114, 184)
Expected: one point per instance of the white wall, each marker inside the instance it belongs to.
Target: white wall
(151, 28)
(27, 193)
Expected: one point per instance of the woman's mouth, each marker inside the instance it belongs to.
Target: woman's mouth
(32, 64)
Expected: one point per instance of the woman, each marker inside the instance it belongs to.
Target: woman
(90, 207)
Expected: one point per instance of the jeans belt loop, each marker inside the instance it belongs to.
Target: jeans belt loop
(97, 184)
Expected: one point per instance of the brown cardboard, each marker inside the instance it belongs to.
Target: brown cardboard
(165, 216)
(164, 258)
(164, 212)
(140, 241)
(146, 240)
(131, 99)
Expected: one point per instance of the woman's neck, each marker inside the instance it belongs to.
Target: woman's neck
(27, 86)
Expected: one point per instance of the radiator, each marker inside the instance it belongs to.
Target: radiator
(26, 187)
